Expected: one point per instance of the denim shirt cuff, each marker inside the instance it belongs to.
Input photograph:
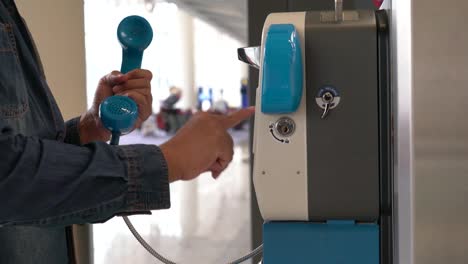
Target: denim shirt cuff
(148, 183)
(72, 135)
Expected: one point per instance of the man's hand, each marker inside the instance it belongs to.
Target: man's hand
(135, 84)
(203, 144)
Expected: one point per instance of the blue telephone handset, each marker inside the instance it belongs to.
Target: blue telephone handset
(119, 113)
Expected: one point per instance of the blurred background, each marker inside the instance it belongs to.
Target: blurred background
(193, 58)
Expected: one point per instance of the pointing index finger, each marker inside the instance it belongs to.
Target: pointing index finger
(235, 118)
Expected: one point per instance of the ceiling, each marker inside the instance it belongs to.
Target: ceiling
(229, 16)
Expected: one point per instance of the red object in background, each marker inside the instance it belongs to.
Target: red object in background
(378, 3)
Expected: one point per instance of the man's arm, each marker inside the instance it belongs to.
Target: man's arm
(72, 135)
(44, 182)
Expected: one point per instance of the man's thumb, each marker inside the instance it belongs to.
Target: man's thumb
(115, 78)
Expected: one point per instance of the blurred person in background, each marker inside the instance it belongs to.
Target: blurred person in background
(244, 93)
(172, 118)
(175, 93)
(220, 106)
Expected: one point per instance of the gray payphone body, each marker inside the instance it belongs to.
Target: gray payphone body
(327, 159)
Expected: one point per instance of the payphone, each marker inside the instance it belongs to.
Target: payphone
(322, 143)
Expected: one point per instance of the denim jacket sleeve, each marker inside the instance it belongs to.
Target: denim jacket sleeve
(72, 133)
(51, 183)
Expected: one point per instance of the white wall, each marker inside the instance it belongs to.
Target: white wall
(440, 95)
(58, 29)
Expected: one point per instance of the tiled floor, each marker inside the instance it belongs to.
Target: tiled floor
(209, 220)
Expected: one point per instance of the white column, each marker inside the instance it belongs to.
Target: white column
(189, 195)
(187, 63)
